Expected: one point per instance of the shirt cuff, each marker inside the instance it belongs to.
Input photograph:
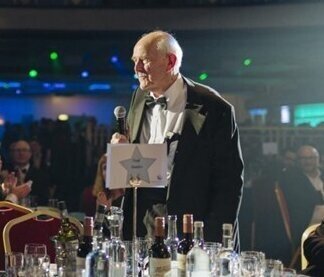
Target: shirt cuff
(12, 198)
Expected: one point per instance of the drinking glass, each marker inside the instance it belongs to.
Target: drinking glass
(14, 264)
(288, 272)
(35, 257)
(259, 256)
(37, 249)
(272, 268)
(129, 253)
(212, 249)
(249, 266)
(143, 246)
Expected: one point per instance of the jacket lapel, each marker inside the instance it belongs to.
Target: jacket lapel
(193, 110)
(136, 118)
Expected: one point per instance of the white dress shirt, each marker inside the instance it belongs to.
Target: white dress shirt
(158, 122)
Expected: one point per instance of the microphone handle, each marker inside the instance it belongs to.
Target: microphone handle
(121, 124)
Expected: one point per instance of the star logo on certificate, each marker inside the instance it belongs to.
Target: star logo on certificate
(137, 166)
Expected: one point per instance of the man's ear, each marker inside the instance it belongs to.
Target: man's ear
(172, 61)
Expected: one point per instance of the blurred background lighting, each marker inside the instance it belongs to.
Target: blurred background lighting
(33, 73)
(53, 56)
(85, 74)
(63, 117)
(203, 76)
(247, 62)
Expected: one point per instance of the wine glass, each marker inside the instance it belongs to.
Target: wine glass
(35, 255)
(143, 246)
(14, 264)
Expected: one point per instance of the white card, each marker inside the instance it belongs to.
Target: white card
(146, 162)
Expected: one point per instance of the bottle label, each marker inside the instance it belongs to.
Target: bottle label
(160, 267)
(181, 259)
(80, 263)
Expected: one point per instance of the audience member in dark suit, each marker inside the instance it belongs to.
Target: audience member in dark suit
(207, 167)
(303, 190)
(314, 252)
(20, 157)
(9, 190)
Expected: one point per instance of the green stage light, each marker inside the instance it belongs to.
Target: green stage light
(203, 76)
(33, 73)
(53, 56)
(247, 62)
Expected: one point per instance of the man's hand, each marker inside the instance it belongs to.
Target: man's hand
(9, 183)
(22, 190)
(118, 138)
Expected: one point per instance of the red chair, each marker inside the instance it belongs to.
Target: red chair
(9, 211)
(34, 228)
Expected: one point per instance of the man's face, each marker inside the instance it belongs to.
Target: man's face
(151, 66)
(308, 161)
(20, 153)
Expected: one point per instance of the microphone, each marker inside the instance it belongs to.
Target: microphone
(120, 114)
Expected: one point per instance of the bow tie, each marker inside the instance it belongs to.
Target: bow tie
(151, 102)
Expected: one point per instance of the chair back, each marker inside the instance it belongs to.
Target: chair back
(281, 199)
(9, 211)
(305, 235)
(31, 228)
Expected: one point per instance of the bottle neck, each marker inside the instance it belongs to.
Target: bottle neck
(199, 236)
(115, 232)
(172, 229)
(188, 236)
(159, 239)
(227, 243)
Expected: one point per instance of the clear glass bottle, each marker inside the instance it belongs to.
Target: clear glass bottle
(116, 247)
(172, 240)
(185, 244)
(97, 261)
(159, 254)
(86, 244)
(98, 236)
(198, 263)
(228, 259)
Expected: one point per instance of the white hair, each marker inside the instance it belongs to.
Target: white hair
(168, 44)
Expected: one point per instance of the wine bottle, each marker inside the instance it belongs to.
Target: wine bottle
(67, 241)
(185, 244)
(86, 245)
(198, 263)
(159, 254)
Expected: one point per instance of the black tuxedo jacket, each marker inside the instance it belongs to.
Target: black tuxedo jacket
(207, 176)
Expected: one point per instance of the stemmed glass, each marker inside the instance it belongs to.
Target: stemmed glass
(14, 264)
(36, 258)
(143, 246)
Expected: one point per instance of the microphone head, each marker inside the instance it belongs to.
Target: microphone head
(120, 112)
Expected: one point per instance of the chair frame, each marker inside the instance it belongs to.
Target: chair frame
(51, 213)
(305, 235)
(10, 205)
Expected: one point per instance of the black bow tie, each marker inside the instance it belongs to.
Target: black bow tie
(151, 102)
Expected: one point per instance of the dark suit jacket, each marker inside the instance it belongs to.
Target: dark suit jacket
(301, 199)
(40, 186)
(207, 174)
(314, 252)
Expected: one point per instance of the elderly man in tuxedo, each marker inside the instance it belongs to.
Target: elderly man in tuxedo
(205, 162)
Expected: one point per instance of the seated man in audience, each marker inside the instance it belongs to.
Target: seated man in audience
(303, 190)
(20, 162)
(9, 190)
(314, 252)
